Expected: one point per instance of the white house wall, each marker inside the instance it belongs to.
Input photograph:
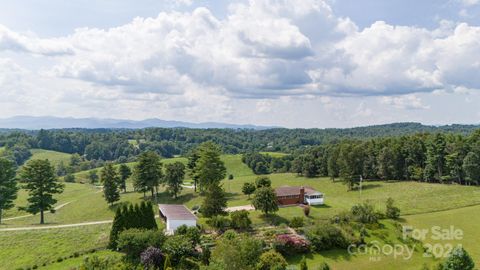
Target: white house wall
(172, 225)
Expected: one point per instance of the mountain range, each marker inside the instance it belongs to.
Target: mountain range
(51, 122)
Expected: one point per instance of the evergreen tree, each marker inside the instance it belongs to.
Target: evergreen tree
(191, 165)
(117, 226)
(8, 185)
(149, 171)
(215, 201)
(125, 172)
(265, 200)
(109, 179)
(174, 175)
(209, 168)
(42, 183)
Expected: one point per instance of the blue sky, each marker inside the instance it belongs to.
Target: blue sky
(293, 63)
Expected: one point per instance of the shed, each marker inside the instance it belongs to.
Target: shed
(176, 215)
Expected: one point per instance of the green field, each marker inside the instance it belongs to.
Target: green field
(422, 204)
(54, 157)
(465, 219)
(28, 248)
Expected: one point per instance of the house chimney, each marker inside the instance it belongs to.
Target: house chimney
(302, 194)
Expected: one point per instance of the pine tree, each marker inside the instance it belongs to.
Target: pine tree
(151, 223)
(215, 201)
(209, 168)
(117, 226)
(41, 183)
(148, 171)
(8, 185)
(125, 172)
(174, 174)
(109, 178)
(459, 259)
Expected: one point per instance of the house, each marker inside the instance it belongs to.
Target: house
(176, 215)
(287, 195)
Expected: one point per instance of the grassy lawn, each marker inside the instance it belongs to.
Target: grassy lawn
(54, 157)
(28, 248)
(465, 219)
(274, 154)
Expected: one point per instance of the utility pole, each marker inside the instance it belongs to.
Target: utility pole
(361, 180)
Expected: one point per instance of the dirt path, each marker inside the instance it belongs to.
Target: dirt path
(238, 208)
(25, 216)
(55, 226)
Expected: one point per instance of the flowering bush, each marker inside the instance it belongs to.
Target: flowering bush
(152, 258)
(288, 244)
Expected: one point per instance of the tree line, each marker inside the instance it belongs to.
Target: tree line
(439, 157)
(125, 144)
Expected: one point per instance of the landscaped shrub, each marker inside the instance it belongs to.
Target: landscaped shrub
(133, 241)
(240, 220)
(328, 236)
(296, 222)
(306, 210)
(193, 233)
(289, 244)
(219, 223)
(177, 247)
(272, 260)
(152, 258)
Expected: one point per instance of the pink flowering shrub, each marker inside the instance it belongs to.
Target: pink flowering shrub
(289, 244)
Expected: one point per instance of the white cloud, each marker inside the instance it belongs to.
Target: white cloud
(409, 102)
(12, 41)
(196, 65)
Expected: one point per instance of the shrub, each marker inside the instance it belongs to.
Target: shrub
(240, 219)
(392, 212)
(296, 222)
(306, 210)
(289, 244)
(327, 236)
(230, 177)
(177, 247)
(219, 223)
(193, 233)
(152, 258)
(69, 178)
(248, 188)
(364, 213)
(263, 181)
(272, 260)
(133, 241)
(459, 259)
(323, 266)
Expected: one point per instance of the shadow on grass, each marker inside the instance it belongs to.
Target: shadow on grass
(335, 255)
(273, 219)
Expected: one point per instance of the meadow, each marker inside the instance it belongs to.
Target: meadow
(422, 205)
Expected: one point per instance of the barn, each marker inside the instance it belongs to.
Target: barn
(176, 215)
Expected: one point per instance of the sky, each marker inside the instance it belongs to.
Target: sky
(291, 63)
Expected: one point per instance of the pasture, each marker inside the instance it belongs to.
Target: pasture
(422, 205)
